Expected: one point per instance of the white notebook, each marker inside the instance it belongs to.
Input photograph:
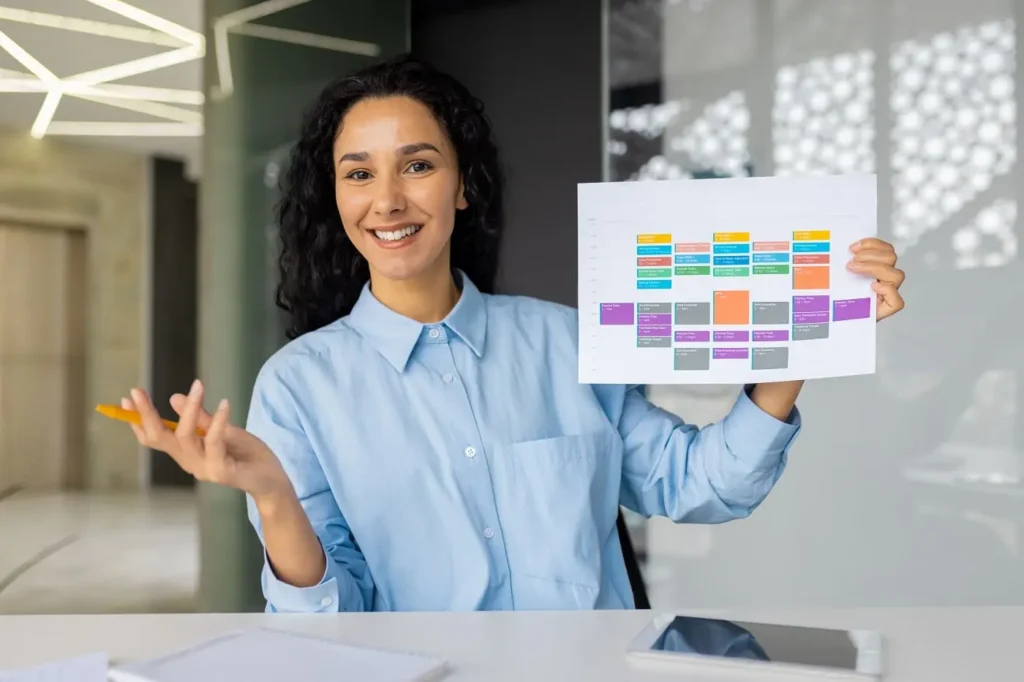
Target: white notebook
(265, 655)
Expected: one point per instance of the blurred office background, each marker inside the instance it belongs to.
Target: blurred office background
(141, 144)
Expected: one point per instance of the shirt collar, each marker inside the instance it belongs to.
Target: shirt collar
(395, 336)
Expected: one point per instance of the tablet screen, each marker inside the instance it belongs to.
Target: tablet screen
(758, 641)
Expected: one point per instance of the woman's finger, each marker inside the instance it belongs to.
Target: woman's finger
(872, 243)
(216, 451)
(875, 256)
(203, 418)
(159, 437)
(156, 434)
(186, 431)
(140, 435)
(880, 271)
(890, 301)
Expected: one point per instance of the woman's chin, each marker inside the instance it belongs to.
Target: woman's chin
(406, 266)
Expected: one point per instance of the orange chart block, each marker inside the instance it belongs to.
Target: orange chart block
(810, 277)
(654, 239)
(732, 307)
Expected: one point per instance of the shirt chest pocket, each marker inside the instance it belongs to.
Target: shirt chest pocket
(557, 500)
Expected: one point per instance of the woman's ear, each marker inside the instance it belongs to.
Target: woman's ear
(460, 201)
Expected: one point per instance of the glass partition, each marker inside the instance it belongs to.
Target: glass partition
(905, 487)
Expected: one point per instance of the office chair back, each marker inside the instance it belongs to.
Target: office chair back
(636, 578)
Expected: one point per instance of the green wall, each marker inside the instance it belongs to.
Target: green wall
(248, 133)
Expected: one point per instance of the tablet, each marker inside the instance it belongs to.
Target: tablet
(835, 654)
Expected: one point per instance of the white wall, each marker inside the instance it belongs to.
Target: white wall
(906, 487)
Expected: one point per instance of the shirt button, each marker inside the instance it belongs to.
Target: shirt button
(434, 333)
(470, 451)
(447, 377)
(326, 601)
(488, 533)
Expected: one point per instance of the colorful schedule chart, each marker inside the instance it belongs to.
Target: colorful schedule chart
(724, 281)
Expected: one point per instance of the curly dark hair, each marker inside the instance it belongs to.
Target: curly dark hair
(321, 272)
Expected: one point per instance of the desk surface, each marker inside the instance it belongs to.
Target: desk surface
(922, 645)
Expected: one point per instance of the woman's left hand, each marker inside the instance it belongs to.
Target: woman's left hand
(876, 258)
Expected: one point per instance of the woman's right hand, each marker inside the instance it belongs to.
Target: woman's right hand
(226, 455)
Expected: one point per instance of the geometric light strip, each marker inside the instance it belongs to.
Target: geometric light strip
(88, 26)
(105, 129)
(190, 45)
(240, 22)
(141, 16)
(16, 81)
(97, 86)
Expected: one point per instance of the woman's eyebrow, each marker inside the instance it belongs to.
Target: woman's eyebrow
(358, 157)
(416, 148)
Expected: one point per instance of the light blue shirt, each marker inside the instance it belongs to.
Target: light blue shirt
(462, 466)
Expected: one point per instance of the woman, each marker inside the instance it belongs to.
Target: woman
(423, 444)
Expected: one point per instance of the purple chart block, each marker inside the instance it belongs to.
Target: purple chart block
(741, 335)
(772, 335)
(731, 353)
(655, 330)
(807, 318)
(654, 318)
(693, 336)
(810, 304)
(851, 309)
(617, 313)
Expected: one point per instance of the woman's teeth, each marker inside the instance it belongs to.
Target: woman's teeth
(395, 235)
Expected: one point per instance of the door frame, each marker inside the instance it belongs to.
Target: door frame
(74, 474)
(38, 200)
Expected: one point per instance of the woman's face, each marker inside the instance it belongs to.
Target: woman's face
(398, 186)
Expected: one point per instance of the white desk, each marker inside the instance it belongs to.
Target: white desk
(923, 645)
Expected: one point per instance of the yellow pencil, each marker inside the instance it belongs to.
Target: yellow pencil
(133, 417)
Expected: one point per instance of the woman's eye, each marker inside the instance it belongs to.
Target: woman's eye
(419, 166)
(358, 175)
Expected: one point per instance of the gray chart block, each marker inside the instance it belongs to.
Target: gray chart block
(693, 358)
(693, 313)
(770, 312)
(654, 308)
(654, 342)
(770, 358)
(809, 332)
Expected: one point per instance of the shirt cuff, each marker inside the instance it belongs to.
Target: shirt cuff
(285, 598)
(752, 433)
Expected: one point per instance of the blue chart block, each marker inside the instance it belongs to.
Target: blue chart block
(693, 259)
(732, 248)
(665, 250)
(771, 257)
(810, 247)
(654, 284)
(732, 260)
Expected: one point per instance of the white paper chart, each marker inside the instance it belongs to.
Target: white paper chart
(724, 281)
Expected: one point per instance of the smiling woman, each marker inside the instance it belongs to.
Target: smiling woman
(424, 443)
(396, 175)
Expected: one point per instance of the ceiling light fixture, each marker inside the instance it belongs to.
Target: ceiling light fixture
(138, 66)
(287, 35)
(155, 109)
(88, 26)
(151, 20)
(79, 84)
(96, 86)
(46, 76)
(46, 112)
(17, 81)
(25, 59)
(232, 20)
(109, 129)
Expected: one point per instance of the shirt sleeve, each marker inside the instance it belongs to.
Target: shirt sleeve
(698, 475)
(346, 585)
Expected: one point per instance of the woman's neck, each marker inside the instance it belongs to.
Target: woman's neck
(427, 299)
